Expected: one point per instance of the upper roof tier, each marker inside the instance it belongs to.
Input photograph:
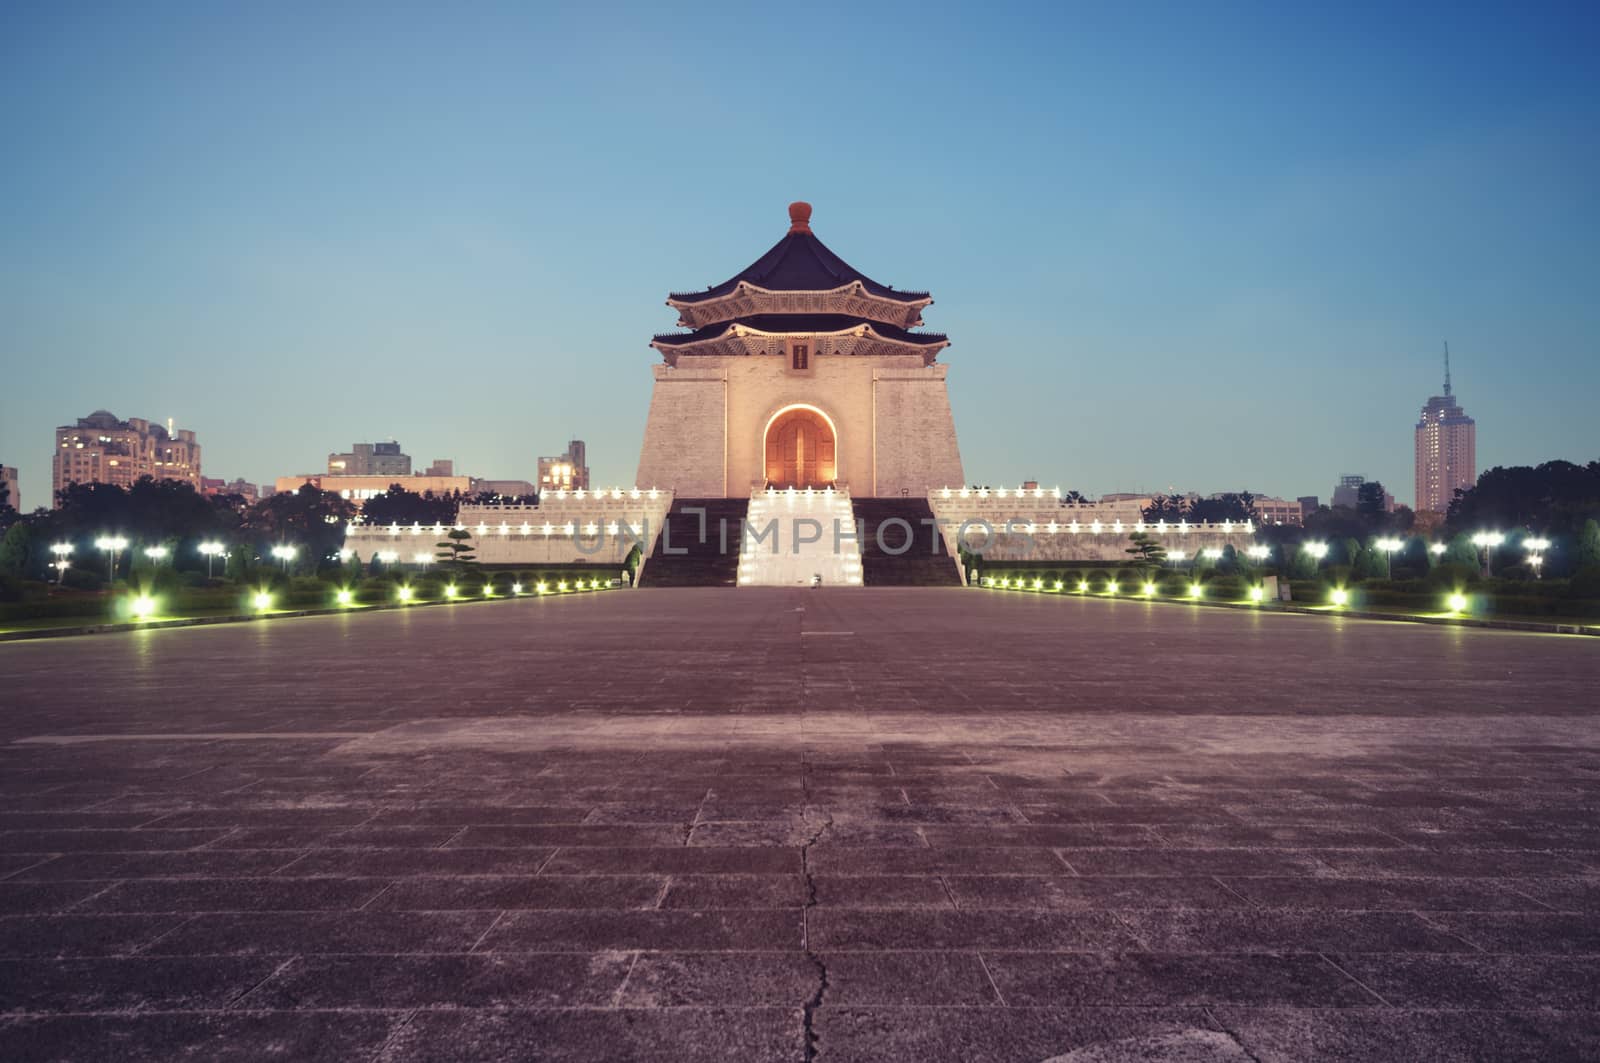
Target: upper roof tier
(798, 271)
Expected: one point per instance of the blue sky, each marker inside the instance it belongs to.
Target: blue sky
(1204, 246)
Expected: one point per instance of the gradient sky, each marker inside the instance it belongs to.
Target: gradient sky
(1210, 246)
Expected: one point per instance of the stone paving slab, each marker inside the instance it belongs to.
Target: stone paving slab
(663, 825)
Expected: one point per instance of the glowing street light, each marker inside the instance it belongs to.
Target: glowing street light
(142, 607)
(155, 553)
(1340, 596)
(1257, 594)
(1536, 548)
(1212, 553)
(1195, 590)
(344, 597)
(1260, 551)
(1457, 602)
(262, 601)
(404, 594)
(450, 591)
(284, 553)
(112, 545)
(62, 552)
(1437, 549)
(516, 588)
(211, 549)
(1389, 546)
(1149, 590)
(1487, 541)
(1316, 550)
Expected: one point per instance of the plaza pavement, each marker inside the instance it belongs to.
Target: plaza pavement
(787, 825)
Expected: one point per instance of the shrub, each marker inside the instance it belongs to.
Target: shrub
(1585, 583)
(1451, 574)
(82, 579)
(1224, 587)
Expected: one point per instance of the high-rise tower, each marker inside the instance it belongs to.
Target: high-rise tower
(1446, 449)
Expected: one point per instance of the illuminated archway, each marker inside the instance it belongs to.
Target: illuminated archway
(801, 447)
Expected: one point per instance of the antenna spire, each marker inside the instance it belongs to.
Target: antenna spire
(1447, 369)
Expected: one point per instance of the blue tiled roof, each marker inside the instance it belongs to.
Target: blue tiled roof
(811, 323)
(800, 263)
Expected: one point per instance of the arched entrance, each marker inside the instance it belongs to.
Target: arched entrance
(801, 448)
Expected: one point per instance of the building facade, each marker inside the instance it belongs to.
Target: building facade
(102, 449)
(800, 371)
(238, 486)
(1445, 450)
(371, 459)
(566, 472)
(1278, 511)
(361, 488)
(9, 487)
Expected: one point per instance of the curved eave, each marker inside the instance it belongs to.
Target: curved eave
(747, 299)
(737, 339)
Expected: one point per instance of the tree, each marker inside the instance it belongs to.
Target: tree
(311, 519)
(8, 509)
(1302, 565)
(1461, 552)
(1228, 507)
(16, 549)
(399, 506)
(1370, 563)
(455, 553)
(1166, 507)
(1370, 502)
(1073, 498)
(1588, 553)
(1554, 498)
(1147, 551)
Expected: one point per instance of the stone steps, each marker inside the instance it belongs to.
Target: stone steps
(925, 564)
(710, 544)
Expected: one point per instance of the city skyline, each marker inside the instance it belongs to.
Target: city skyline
(1182, 274)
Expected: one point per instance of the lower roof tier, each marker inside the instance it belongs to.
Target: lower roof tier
(769, 334)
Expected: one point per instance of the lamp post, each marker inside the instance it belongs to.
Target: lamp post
(1316, 550)
(62, 552)
(1389, 546)
(1487, 541)
(155, 553)
(1259, 552)
(211, 549)
(284, 553)
(111, 544)
(1536, 548)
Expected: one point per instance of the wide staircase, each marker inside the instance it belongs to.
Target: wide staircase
(710, 550)
(800, 538)
(925, 564)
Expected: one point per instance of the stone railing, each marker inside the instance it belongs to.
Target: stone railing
(566, 527)
(1016, 525)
